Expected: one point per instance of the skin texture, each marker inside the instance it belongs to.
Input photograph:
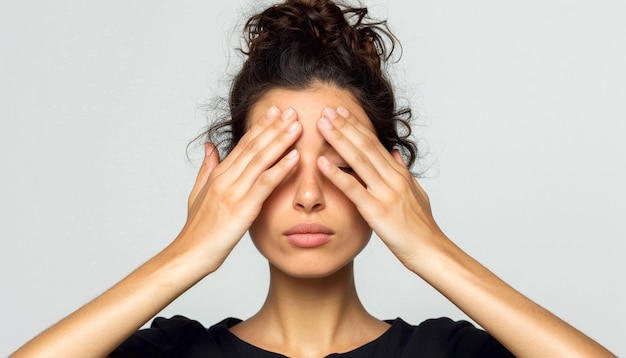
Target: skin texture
(306, 195)
(290, 168)
(314, 286)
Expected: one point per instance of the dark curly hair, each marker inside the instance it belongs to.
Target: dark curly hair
(297, 43)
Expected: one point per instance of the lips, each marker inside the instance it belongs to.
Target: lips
(307, 235)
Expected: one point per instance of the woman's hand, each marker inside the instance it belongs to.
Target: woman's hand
(398, 210)
(225, 199)
(228, 196)
(384, 191)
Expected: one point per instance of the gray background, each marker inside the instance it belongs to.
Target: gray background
(521, 107)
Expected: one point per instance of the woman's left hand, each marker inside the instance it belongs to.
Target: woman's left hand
(398, 210)
(382, 188)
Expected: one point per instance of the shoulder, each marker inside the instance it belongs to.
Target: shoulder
(444, 337)
(176, 336)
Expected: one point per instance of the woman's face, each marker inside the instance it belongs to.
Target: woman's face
(307, 227)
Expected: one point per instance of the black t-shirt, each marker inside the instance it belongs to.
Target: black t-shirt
(182, 337)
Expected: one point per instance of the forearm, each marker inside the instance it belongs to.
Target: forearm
(101, 325)
(521, 325)
(225, 200)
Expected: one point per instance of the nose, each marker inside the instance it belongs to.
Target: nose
(309, 193)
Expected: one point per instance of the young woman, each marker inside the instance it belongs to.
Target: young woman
(317, 157)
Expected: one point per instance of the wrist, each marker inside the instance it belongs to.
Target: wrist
(433, 254)
(185, 260)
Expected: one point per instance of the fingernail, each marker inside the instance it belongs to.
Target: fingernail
(293, 126)
(272, 112)
(326, 123)
(324, 162)
(287, 113)
(329, 113)
(343, 111)
(292, 154)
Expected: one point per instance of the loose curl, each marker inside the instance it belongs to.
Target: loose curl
(300, 42)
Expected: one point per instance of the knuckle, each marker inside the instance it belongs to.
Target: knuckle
(265, 179)
(378, 209)
(229, 200)
(335, 135)
(254, 146)
(261, 158)
(366, 142)
(397, 181)
(276, 125)
(388, 198)
(340, 123)
(362, 158)
(218, 187)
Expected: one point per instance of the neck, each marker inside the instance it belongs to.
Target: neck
(312, 300)
(312, 316)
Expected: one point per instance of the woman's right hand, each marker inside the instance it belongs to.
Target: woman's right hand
(224, 202)
(228, 196)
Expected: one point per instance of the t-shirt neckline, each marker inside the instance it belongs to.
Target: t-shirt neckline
(363, 350)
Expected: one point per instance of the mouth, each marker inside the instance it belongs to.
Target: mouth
(308, 235)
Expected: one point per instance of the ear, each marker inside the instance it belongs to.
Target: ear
(398, 157)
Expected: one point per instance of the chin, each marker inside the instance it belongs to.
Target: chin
(309, 270)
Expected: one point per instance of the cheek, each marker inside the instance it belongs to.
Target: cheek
(272, 207)
(275, 202)
(347, 212)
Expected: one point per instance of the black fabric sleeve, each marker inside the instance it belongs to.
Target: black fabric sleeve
(444, 337)
(174, 337)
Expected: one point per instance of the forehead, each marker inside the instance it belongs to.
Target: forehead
(309, 103)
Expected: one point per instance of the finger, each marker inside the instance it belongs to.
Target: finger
(360, 125)
(285, 129)
(266, 149)
(258, 161)
(212, 156)
(271, 115)
(210, 161)
(347, 183)
(348, 117)
(272, 177)
(358, 149)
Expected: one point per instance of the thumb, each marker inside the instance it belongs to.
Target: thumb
(398, 157)
(211, 156)
(210, 161)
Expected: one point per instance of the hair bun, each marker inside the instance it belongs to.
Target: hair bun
(315, 25)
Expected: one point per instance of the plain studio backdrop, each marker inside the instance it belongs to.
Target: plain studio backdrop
(520, 108)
